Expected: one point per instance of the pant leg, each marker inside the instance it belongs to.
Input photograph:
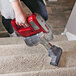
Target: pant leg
(37, 6)
(7, 25)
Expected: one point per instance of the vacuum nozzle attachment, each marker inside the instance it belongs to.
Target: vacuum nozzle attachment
(55, 53)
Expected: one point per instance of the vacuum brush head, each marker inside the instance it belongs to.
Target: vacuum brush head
(55, 53)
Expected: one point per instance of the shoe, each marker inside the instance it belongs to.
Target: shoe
(13, 35)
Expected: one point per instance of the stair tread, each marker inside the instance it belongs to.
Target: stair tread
(20, 40)
(34, 62)
(24, 63)
(21, 49)
(51, 72)
(18, 49)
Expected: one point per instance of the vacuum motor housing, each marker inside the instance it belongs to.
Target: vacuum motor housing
(36, 25)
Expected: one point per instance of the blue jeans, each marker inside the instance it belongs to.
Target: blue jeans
(36, 6)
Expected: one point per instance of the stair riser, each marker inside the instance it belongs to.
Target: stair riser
(8, 50)
(20, 40)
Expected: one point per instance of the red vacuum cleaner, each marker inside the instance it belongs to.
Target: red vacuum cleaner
(39, 31)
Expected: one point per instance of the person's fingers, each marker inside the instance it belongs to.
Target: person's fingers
(21, 24)
(21, 21)
(26, 24)
(17, 23)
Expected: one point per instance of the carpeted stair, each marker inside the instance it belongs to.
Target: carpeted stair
(17, 59)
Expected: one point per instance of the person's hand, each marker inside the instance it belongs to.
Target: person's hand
(20, 16)
(21, 19)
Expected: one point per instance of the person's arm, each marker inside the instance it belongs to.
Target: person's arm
(19, 13)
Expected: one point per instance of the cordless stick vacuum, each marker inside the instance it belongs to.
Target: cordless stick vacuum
(39, 31)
